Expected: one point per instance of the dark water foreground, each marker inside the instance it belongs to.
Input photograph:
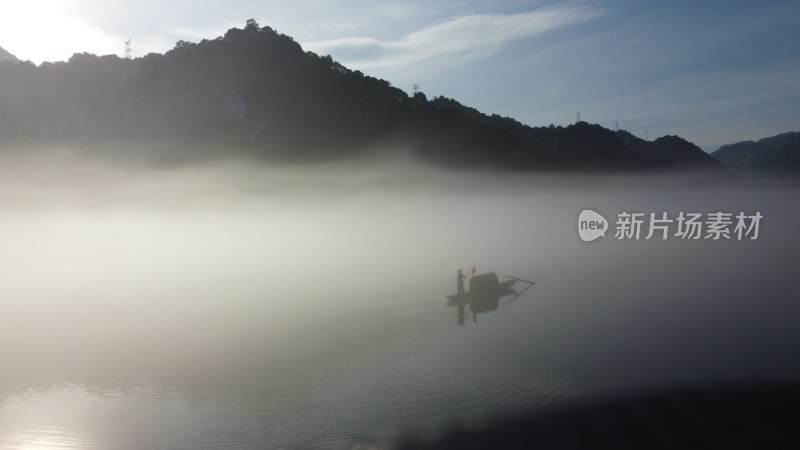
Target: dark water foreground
(743, 416)
(261, 323)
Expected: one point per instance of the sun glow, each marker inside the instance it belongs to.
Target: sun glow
(46, 31)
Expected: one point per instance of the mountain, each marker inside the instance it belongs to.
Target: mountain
(255, 92)
(11, 125)
(773, 156)
(673, 149)
(5, 56)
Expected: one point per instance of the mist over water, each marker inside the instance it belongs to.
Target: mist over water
(232, 305)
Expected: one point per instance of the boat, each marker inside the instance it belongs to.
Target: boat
(484, 286)
(485, 291)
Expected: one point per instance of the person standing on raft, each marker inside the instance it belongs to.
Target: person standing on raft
(460, 281)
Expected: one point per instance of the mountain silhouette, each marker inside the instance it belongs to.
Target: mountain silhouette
(255, 92)
(773, 156)
(676, 150)
(6, 56)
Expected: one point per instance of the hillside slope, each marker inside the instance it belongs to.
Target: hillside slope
(256, 92)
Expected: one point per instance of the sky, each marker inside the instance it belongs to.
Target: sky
(714, 72)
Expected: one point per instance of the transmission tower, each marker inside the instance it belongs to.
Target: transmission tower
(128, 50)
(415, 88)
(578, 114)
(616, 126)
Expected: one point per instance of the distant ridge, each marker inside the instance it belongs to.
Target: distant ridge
(6, 56)
(674, 149)
(773, 156)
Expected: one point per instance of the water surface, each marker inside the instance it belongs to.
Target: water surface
(238, 308)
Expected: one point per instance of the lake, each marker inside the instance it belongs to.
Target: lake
(235, 307)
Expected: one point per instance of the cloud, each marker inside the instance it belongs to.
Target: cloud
(456, 40)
